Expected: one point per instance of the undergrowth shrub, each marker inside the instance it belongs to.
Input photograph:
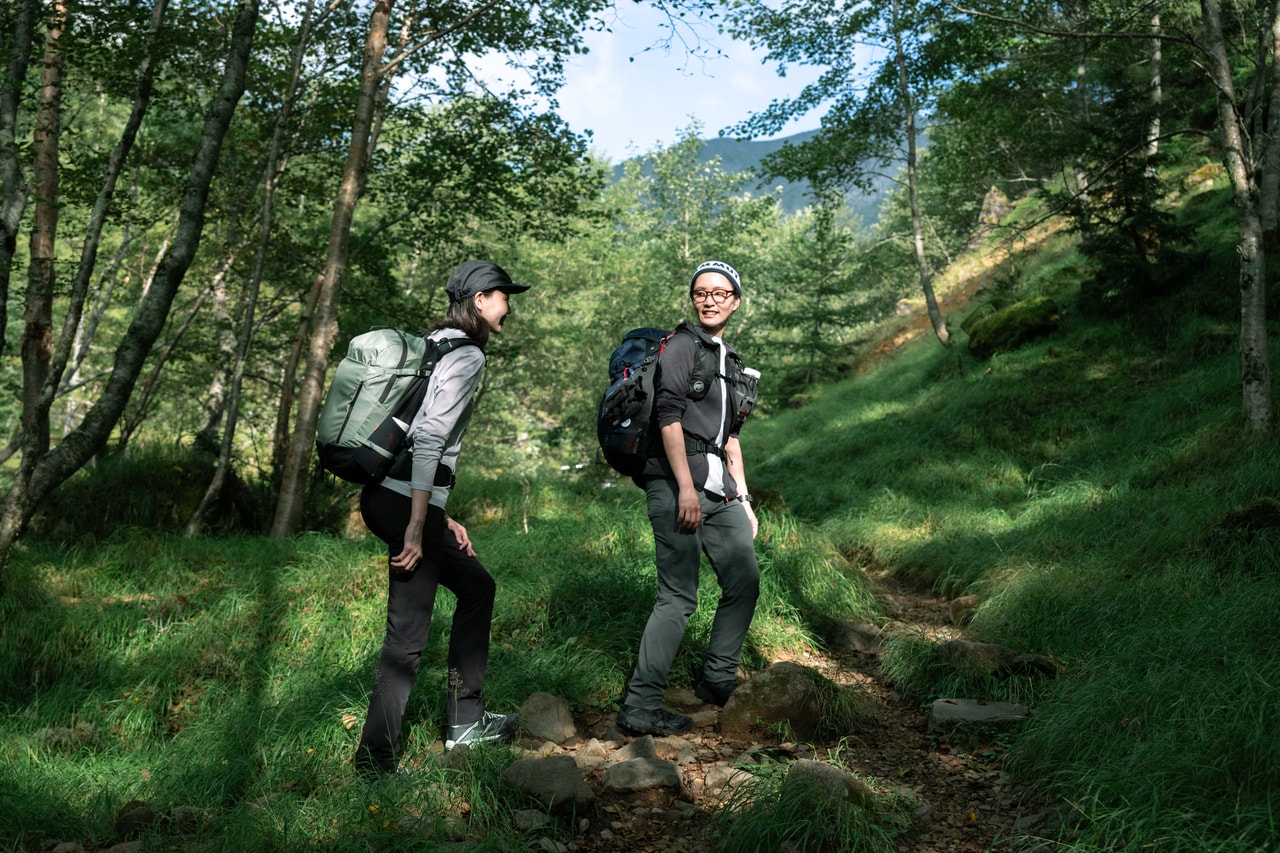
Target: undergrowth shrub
(152, 488)
(775, 811)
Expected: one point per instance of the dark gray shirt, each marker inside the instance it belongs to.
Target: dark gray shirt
(710, 419)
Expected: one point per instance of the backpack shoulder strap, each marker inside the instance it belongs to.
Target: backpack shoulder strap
(438, 348)
(705, 364)
(450, 344)
(683, 326)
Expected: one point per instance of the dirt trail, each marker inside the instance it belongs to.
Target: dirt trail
(961, 799)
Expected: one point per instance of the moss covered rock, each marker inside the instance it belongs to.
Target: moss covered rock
(1011, 327)
(788, 701)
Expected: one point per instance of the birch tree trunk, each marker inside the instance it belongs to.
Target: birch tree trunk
(938, 322)
(215, 396)
(36, 478)
(272, 171)
(282, 436)
(1156, 55)
(1080, 175)
(1255, 361)
(325, 321)
(1269, 181)
(97, 304)
(18, 44)
(140, 403)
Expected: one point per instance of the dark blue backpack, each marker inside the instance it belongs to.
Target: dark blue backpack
(625, 423)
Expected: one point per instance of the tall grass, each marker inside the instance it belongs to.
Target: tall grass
(771, 812)
(226, 678)
(1097, 493)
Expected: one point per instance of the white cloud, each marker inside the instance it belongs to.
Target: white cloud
(630, 96)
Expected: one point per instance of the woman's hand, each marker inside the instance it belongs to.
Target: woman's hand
(460, 533)
(411, 553)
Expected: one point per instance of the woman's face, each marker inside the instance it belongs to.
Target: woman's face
(708, 291)
(493, 307)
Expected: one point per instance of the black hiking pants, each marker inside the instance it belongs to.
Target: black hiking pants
(410, 600)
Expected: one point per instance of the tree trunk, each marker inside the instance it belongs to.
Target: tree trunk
(139, 407)
(37, 335)
(913, 190)
(1255, 360)
(18, 45)
(91, 435)
(1080, 175)
(72, 343)
(271, 175)
(215, 396)
(38, 314)
(85, 333)
(281, 436)
(1157, 96)
(1269, 181)
(297, 462)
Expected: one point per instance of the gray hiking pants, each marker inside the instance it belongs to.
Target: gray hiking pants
(725, 537)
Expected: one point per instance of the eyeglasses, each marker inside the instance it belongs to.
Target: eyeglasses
(719, 296)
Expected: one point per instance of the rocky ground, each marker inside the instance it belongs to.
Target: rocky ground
(952, 792)
(956, 794)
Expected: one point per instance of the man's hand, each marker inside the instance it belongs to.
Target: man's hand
(688, 509)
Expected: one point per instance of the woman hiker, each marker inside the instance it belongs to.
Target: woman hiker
(428, 549)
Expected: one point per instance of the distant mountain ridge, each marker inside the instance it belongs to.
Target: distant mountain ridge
(744, 155)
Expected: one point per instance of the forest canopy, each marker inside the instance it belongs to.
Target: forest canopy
(204, 202)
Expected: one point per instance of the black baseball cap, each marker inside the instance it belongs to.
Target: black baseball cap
(475, 277)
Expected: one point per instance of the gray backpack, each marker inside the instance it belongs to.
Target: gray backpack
(375, 393)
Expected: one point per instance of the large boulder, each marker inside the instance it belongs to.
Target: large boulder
(956, 713)
(981, 659)
(787, 700)
(547, 717)
(1011, 327)
(556, 782)
(641, 774)
(829, 782)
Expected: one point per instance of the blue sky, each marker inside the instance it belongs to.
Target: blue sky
(633, 98)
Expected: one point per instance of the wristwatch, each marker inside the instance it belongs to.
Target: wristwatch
(746, 499)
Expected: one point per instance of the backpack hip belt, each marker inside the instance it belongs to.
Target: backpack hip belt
(694, 445)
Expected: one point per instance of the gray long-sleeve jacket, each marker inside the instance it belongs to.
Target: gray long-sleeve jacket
(445, 414)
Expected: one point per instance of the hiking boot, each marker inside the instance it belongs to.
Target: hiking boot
(714, 692)
(656, 721)
(488, 728)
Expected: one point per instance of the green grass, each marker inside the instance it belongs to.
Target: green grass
(1094, 489)
(770, 811)
(227, 676)
(1098, 493)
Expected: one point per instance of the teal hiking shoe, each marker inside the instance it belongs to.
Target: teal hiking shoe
(489, 728)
